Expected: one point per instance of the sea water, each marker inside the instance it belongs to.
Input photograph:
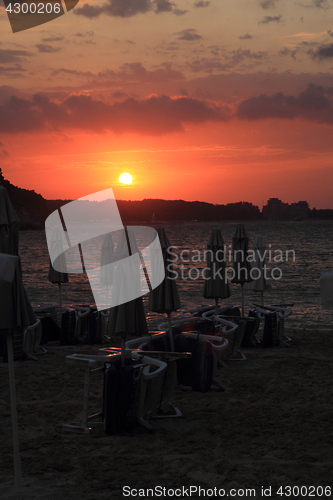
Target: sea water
(296, 253)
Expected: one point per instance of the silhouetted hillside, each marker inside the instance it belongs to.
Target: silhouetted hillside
(30, 207)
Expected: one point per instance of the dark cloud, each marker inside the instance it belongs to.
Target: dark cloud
(3, 153)
(6, 91)
(167, 6)
(202, 3)
(208, 65)
(268, 4)
(247, 36)
(73, 72)
(53, 38)
(316, 4)
(136, 72)
(127, 73)
(84, 35)
(90, 11)
(128, 8)
(163, 6)
(289, 52)
(226, 60)
(240, 55)
(323, 52)
(270, 19)
(189, 35)
(179, 12)
(183, 92)
(11, 69)
(314, 104)
(119, 95)
(115, 8)
(152, 116)
(330, 33)
(321, 4)
(43, 47)
(12, 56)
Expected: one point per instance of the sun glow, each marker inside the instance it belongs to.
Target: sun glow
(125, 178)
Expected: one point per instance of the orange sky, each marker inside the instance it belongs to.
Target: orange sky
(198, 100)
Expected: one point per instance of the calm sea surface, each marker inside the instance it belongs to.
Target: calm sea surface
(299, 284)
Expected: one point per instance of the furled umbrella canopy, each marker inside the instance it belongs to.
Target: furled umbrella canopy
(107, 259)
(216, 284)
(241, 264)
(261, 282)
(165, 298)
(107, 265)
(54, 276)
(128, 318)
(9, 225)
(15, 308)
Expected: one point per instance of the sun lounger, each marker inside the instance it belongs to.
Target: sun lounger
(131, 393)
(274, 317)
(251, 329)
(31, 339)
(91, 324)
(49, 317)
(198, 336)
(231, 328)
(165, 408)
(199, 311)
(26, 343)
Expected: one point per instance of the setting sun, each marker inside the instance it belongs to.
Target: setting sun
(125, 178)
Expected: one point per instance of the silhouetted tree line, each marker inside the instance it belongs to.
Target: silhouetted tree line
(324, 214)
(180, 210)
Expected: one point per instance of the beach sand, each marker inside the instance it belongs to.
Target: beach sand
(271, 427)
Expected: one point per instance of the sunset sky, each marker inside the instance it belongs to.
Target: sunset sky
(218, 101)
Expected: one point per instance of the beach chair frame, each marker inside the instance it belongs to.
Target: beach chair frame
(283, 311)
(149, 369)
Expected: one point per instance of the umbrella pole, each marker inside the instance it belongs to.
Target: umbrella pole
(17, 457)
(60, 305)
(262, 298)
(170, 333)
(216, 305)
(242, 299)
(123, 352)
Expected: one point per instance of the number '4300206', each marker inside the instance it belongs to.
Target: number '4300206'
(34, 8)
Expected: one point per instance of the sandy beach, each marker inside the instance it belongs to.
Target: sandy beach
(272, 427)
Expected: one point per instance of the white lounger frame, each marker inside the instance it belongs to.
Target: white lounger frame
(282, 313)
(89, 362)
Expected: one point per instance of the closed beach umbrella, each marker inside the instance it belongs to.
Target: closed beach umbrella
(259, 270)
(216, 284)
(57, 276)
(107, 264)
(15, 308)
(241, 266)
(128, 318)
(9, 225)
(165, 298)
(107, 259)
